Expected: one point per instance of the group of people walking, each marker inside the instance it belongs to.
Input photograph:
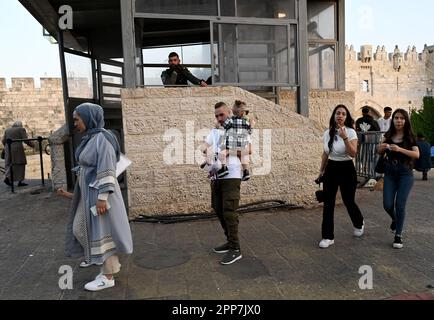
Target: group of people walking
(98, 229)
(338, 170)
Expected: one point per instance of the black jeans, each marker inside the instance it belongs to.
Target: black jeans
(340, 174)
(225, 199)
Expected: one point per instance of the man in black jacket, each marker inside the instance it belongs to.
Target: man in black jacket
(366, 122)
(177, 74)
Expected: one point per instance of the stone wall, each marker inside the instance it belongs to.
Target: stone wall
(40, 109)
(57, 157)
(321, 103)
(164, 128)
(397, 79)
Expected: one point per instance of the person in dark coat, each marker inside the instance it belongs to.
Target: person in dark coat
(366, 122)
(177, 74)
(423, 164)
(17, 159)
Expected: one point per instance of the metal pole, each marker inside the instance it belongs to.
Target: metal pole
(42, 161)
(9, 142)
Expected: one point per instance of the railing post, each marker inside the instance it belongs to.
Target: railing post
(42, 161)
(11, 167)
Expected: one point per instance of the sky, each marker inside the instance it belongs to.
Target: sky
(390, 23)
(24, 52)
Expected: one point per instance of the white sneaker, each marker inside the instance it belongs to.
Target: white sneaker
(325, 243)
(100, 283)
(84, 264)
(359, 232)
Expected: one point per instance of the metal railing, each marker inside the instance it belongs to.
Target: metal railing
(9, 143)
(367, 155)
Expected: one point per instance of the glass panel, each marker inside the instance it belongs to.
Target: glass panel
(79, 76)
(152, 76)
(194, 54)
(188, 7)
(110, 79)
(322, 66)
(197, 54)
(227, 8)
(110, 68)
(111, 90)
(293, 64)
(321, 20)
(226, 66)
(255, 54)
(160, 55)
(276, 9)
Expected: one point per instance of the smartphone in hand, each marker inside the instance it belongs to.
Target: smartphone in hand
(95, 213)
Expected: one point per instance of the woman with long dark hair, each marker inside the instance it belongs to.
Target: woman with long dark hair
(337, 170)
(401, 149)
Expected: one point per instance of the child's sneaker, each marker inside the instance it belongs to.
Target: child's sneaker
(246, 175)
(224, 171)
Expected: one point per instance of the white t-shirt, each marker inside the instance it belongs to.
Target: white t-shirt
(339, 152)
(384, 124)
(215, 139)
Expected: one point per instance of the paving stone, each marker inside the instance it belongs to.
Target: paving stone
(281, 258)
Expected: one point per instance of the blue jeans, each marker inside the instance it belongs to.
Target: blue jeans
(398, 181)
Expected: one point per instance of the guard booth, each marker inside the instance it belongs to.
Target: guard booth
(263, 46)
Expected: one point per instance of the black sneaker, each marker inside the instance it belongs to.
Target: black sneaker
(221, 249)
(7, 181)
(393, 226)
(223, 172)
(231, 256)
(397, 244)
(203, 165)
(246, 175)
(22, 184)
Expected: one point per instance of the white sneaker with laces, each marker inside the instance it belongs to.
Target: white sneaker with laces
(325, 243)
(84, 264)
(359, 232)
(100, 283)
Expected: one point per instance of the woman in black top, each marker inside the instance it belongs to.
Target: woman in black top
(401, 150)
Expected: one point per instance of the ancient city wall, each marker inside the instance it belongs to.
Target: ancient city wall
(40, 109)
(321, 103)
(397, 79)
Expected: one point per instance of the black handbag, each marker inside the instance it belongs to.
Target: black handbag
(320, 197)
(319, 194)
(380, 167)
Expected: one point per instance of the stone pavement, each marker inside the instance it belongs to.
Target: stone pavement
(281, 255)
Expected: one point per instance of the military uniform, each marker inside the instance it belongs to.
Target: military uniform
(179, 75)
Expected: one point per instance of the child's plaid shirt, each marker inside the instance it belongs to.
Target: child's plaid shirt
(238, 131)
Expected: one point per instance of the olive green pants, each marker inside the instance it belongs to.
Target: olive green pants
(225, 199)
